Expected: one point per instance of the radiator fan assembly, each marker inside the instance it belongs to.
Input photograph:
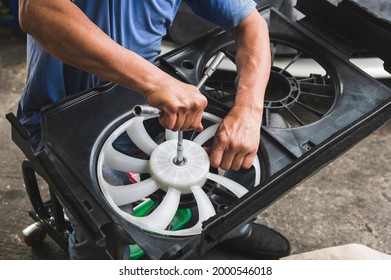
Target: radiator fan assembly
(317, 105)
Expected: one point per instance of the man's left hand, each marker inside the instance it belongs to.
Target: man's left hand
(237, 140)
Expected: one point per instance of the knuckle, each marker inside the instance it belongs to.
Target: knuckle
(168, 121)
(246, 165)
(235, 146)
(248, 161)
(221, 139)
(235, 167)
(202, 102)
(177, 126)
(214, 163)
(224, 166)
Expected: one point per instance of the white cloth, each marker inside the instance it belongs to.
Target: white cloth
(343, 252)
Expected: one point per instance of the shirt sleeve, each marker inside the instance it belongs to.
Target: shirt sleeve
(225, 13)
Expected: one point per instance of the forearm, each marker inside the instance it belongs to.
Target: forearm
(253, 63)
(65, 32)
(236, 143)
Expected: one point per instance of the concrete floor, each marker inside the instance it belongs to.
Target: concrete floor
(348, 201)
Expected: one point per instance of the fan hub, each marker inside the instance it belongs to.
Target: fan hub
(168, 174)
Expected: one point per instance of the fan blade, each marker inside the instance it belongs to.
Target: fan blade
(122, 162)
(122, 195)
(205, 211)
(234, 187)
(171, 134)
(205, 206)
(139, 135)
(165, 212)
(257, 167)
(206, 134)
(211, 117)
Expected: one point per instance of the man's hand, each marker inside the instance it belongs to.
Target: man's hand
(236, 141)
(181, 104)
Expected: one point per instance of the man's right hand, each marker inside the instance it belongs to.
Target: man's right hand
(181, 105)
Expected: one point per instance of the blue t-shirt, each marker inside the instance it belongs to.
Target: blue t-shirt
(138, 25)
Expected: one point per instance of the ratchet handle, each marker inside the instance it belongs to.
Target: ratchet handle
(212, 68)
(145, 110)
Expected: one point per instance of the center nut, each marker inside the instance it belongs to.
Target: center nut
(167, 174)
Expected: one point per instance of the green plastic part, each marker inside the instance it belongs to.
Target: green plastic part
(181, 218)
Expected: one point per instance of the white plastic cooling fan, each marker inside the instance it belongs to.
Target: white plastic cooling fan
(173, 179)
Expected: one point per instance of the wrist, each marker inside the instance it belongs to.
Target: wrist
(247, 105)
(247, 112)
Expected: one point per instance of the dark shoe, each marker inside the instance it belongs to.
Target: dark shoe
(259, 242)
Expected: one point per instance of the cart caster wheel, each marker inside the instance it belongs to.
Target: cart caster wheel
(34, 235)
